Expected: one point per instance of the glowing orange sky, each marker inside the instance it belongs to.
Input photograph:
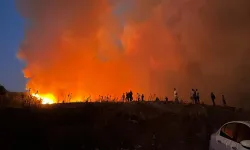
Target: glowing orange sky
(84, 48)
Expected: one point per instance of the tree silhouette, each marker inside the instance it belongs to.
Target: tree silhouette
(3, 92)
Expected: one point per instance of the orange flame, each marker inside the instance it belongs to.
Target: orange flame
(46, 99)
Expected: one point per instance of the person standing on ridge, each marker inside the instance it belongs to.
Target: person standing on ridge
(213, 98)
(127, 96)
(192, 96)
(166, 99)
(224, 101)
(142, 97)
(130, 94)
(175, 95)
(197, 96)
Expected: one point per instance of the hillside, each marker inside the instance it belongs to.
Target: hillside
(113, 126)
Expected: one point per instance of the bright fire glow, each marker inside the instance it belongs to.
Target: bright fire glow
(46, 99)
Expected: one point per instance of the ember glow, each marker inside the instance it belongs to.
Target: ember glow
(107, 47)
(46, 99)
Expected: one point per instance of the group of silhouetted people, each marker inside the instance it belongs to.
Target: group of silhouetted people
(129, 97)
(195, 96)
(213, 99)
(140, 97)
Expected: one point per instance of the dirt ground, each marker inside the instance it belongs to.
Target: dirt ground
(113, 126)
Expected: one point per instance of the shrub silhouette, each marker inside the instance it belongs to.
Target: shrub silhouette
(3, 91)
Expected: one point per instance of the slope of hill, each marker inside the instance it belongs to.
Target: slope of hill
(113, 126)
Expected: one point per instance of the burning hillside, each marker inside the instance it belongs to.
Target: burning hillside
(99, 47)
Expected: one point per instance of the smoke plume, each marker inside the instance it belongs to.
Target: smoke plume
(99, 47)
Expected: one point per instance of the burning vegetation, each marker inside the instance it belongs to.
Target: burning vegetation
(46, 99)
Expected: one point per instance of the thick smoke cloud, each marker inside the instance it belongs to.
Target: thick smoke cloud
(150, 46)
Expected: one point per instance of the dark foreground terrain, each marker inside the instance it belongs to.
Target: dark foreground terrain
(113, 126)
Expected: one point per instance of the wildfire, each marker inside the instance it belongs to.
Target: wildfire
(46, 99)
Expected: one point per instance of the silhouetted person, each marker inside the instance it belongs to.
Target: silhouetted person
(193, 96)
(142, 97)
(166, 99)
(157, 99)
(175, 95)
(197, 95)
(213, 98)
(224, 100)
(127, 96)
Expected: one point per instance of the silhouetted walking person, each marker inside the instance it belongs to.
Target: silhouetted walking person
(193, 96)
(127, 96)
(142, 97)
(224, 100)
(197, 94)
(157, 99)
(213, 98)
(166, 99)
(175, 95)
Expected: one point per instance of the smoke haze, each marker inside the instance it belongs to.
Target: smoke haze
(92, 47)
